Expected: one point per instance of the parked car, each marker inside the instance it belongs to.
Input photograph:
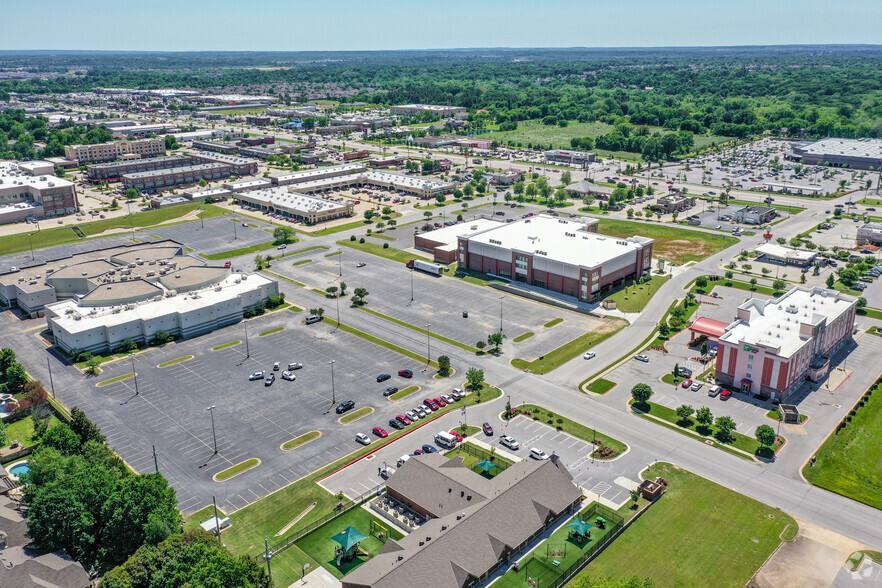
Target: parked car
(289, 376)
(509, 442)
(295, 366)
(431, 404)
(344, 406)
(390, 391)
(383, 377)
(412, 415)
(642, 357)
(362, 438)
(457, 435)
(684, 372)
(379, 432)
(447, 398)
(458, 394)
(536, 453)
(269, 380)
(686, 383)
(440, 402)
(395, 424)
(429, 448)
(725, 394)
(405, 373)
(403, 419)
(488, 430)
(696, 386)
(256, 376)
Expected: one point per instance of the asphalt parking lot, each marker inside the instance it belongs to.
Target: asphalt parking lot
(169, 409)
(220, 233)
(42, 255)
(440, 302)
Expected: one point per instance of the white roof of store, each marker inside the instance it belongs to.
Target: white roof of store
(306, 175)
(405, 181)
(559, 239)
(778, 252)
(792, 187)
(449, 235)
(253, 184)
(280, 197)
(846, 147)
(776, 323)
(12, 175)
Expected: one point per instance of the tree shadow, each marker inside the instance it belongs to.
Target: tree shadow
(703, 430)
(765, 454)
(685, 423)
(642, 407)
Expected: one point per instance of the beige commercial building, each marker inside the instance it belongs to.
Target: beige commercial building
(115, 150)
(26, 196)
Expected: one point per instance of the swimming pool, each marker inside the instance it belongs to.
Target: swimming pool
(19, 469)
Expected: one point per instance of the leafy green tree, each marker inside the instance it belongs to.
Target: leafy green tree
(387, 210)
(701, 282)
(684, 411)
(92, 366)
(443, 365)
(16, 378)
(704, 348)
(475, 378)
(132, 194)
(283, 235)
(359, 295)
(830, 280)
(664, 330)
(565, 178)
(725, 426)
(495, 339)
(635, 496)
(332, 290)
(848, 276)
(704, 416)
(368, 214)
(7, 358)
(641, 393)
(779, 285)
(62, 438)
(85, 429)
(765, 435)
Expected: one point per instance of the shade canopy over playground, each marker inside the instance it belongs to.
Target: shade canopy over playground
(348, 538)
(486, 465)
(579, 526)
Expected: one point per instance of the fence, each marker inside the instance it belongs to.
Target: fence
(480, 453)
(617, 524)
(299, 534)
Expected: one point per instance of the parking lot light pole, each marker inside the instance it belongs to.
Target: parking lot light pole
(428, 345)
(134, 373)
(333, 390)
(340, 256)
(247, 349)
(500, 313)
(31, 243)
(210, 410)
(411, 284)
(51, 384)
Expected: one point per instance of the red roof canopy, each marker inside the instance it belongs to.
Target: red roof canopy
(709, 327)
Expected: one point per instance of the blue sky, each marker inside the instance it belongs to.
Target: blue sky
(299, 25)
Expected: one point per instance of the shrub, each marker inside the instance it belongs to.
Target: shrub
(361, 240)
(352, 237)
(385, 246)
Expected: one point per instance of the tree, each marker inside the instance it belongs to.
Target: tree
(61, 438)
(92, 366)
(387, 210)
(128, 345)
(725, 426)
(440, 198)
(260, 262)
(475, 378)
(16, 378)
(753, 283)
(359, 295)
(342, 288)
(202, 183)
(332, 290)
(861, 302)
(283, 235)
(161, 337)
(765, 435)
(7, 358)
(132, 194)
(701, 282)
(85, 429)
(495, 339)
(704, 348)
(848, 276)
(684, 411)
(565, 178)
(319, 312)
(729, 275)
(443, 365)
(664, 330)
(635, 496)
(779, 285)
(641, 393)
(368, 214)
(830, 281)
(704, 416)
(468, 190)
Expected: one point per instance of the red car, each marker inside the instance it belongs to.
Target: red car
(725, 394)
(405, 373)
(440, 402)
(457, 435)
(686, 383)
(403, 419)
(431, 404)
(379, 432)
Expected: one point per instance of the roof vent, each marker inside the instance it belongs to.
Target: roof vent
(469, 497)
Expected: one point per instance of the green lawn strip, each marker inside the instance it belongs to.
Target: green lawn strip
(237, 469)
(195, 520)
(434, 335)
(742, 285)
(333, 253)
(301, 440)
(523, 336)
(319, 546)
(473, 277)
(321, 292)
(635, 297)
(383, 237)
(240, 251)
(745, 443)
(673, 243)
(848, 461)
(295, 309)
(855, 559)
(792, 209)
(101, 359)
(471, 461)
(404, 393)
(870, 312)
(389, 253)
(692, 513)
(267, 516)
(22, 430)
(355, 415)
(553, 322)
(573, 428)
(174, 361)
(307, 249)
(775, 415)
(302, 262)
(225, 345)
(601, 386)
(116, 379)
(467, 430)
(271, 331)
(557, 357)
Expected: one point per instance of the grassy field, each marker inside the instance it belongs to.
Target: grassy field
(63, 235)
(23, 430)
(472, 461)
(523, 337)
(533, 131)
(240, 111)
(448, 340)
(225, 345)
(870, 201)
(673, 244)
(848, 462)
(237, 469)
(319, 546)
(377, 249)
(238, 252)
(557, 357)
(678, 541)
(175, 361)
(357, 414)
(405, 392)
(572, 427)
(601, 386)
(301, 440)
(636, 296)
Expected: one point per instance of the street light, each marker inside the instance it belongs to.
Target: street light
(428, 345)
(500, 313)
(333, 390)
(135, 374)
(340, 256)
(210, 410)
(31, 243)
(247, 348)
(411, 285)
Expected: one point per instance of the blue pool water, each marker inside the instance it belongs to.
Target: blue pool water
(19, 469)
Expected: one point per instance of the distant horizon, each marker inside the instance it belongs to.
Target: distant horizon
(396, 25)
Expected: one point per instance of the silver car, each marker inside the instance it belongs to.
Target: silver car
(412, 415)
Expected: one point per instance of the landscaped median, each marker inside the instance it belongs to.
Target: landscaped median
(523, 337)
(568, 351)
(388, 252)
(175, 361)
(382, 342)
(300, 441)
(271, 331)
(226, 345)
(606, 447)
(404, 393)
(239, 468)
(355, 415)
(266, 517)
(116, 379)
(454, 342)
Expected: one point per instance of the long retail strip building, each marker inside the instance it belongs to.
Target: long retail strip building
(95, 299)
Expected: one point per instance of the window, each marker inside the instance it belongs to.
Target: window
(750, 366)
(750, 357)
(748, 376)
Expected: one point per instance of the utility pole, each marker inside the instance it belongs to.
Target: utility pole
(428, 345)
(500, 313)
(216, 519)
(268, 558)
(210, 410)
(411, 285)
(340, 256)
(247, 349)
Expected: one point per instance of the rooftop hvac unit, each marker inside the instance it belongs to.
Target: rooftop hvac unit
(238, 281)
(85, 273)
(244, 278)
(78, 317)
(115, 310)
(123, 278)
(131, 265)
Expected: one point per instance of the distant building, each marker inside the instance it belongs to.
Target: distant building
(357, 174)
(869, 233)
(675, 202)
(777, 253)
(292, 204)
(258, 120)
(141, 130)
(442, 111)
(584, 188)
(115, 150)
(755, 215)
(504, 178)
(473, 143)
(228, 148)
(114, 170)
(149, 181)
(24, 196)
(563, 156)
(851, 153)
(774, 345)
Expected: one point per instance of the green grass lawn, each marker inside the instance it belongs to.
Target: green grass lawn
(601, 386)
(116, 379)
(404, 393)
(573, 428)
(698, 534)
(523, 336)
(471, 461)
(533, 131)
(434, 335)
(672, 243)
(175, 361)
(848, 462)
(23, 430)
(319, 546)
(557, 357)
(467, 430)
(635, 297)
(356, 414)
(389, 253)
(271, 331)
(553, 323)
(240, 251)
(237, 469)
(301, 440)
(870, 201)
(225, 345)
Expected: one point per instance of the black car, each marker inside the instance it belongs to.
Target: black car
(395, 424)
(383, 377)
(345, 405)
(390, 391)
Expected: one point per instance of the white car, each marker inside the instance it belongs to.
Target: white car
(363, 439)
(294, 366)
(412, 415)
(538, 454)
(589, 355)
(256, 376)
(696, 386)
(289, 376)
(642, 357)
(426, 408)
(509, 442)
(420, 411)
